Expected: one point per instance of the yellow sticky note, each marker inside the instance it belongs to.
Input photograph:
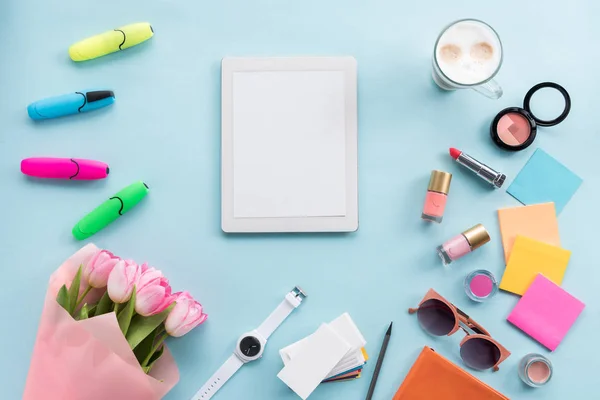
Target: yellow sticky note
(364, 353)
(537, 221)
(528, 259)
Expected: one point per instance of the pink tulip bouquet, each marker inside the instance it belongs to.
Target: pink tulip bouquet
(102, 331)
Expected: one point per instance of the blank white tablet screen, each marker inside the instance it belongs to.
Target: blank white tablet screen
(289, 144)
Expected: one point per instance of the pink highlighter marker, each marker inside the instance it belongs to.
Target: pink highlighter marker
(64, 168)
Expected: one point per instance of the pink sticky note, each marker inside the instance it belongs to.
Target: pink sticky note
(546, 312)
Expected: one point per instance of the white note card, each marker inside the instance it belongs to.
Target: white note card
(347, 329)
(289, 159)
(322, 351)
(289, 144)
(342, 325)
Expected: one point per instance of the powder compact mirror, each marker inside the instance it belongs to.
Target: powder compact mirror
(515, 128)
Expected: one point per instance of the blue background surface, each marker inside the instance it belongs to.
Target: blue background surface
(165, 129)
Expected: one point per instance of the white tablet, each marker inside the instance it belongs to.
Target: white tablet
(289, 145)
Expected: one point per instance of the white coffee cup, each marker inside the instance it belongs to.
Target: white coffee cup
(467, 55)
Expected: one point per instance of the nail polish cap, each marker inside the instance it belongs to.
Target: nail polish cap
(477, 236)
(439, 181)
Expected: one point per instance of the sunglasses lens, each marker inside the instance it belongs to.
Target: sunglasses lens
(436, 317)
(479, 353)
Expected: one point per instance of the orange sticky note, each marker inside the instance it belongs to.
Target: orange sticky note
(528, 259)
(537, 221)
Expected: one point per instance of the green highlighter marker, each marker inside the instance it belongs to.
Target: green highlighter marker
(110, 210)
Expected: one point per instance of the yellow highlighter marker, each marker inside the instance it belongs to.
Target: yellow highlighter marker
(111, 41)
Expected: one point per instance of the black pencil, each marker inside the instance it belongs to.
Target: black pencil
(384, 345)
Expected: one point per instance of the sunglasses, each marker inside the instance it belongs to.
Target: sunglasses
(437, 316)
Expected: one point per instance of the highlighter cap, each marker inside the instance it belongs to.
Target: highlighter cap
(477, 236)
(136, 34)
(439, 181)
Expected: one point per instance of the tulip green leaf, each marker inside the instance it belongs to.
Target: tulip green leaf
(92, 311)
(63, 297)
(126, 314)
(141, 327)
(145, 347)
(154, 359)
(105, 305)
(83, 313)
(74, 292)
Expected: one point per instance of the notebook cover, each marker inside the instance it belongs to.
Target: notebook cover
(434, 377)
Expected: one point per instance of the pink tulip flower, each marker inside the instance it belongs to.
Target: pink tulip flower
(100, 266)
(124, 276)
(185, 316)
(153, 292)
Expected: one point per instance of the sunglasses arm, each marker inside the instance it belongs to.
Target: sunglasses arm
(413, 310)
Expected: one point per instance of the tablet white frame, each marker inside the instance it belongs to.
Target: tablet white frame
(347, 223)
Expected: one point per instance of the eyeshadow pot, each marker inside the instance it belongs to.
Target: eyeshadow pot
(515, 128)
(535, 370)
(480, 285)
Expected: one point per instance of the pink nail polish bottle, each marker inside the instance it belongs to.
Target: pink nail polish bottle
(463, 244)
(437, 194)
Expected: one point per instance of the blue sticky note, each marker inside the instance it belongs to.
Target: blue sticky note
(544, 179)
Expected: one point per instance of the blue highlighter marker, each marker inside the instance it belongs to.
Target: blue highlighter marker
(68, 104)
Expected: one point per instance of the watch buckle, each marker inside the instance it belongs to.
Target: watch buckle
(298, 292)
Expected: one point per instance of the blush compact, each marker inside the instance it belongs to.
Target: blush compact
(515, 128)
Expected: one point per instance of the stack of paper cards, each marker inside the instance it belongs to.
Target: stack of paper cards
(535, 262)
(334, 352)
(546, 312)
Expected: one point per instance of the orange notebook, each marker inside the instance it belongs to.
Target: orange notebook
(432, 377)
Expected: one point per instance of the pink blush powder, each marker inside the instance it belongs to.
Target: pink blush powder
(513, 129)
(481, 286)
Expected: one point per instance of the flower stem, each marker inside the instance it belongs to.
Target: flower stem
(156, 346)
(85, 293)
(117, 308)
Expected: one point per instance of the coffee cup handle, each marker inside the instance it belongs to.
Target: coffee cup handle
(489, 89)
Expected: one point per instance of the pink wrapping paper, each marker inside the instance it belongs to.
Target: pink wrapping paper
(89, 359)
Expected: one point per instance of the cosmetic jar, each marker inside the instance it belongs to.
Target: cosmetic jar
(535, 370)
(481, 285)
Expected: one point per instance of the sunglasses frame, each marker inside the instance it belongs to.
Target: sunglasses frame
(461, 316)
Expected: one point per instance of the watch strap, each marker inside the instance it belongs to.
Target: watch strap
(215, 382)
(292, 300)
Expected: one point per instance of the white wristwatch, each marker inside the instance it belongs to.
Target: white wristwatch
(250, 346)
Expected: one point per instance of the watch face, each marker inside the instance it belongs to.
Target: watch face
(249, 346)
